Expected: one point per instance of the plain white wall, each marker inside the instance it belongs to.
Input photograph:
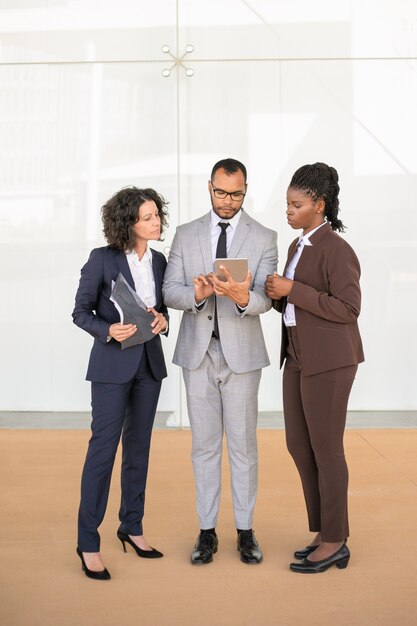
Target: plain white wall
(85, 110)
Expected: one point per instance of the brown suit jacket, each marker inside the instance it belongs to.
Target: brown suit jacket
(327, 299)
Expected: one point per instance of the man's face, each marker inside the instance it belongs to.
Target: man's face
(234, 184)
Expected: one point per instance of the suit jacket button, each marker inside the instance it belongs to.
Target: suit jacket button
(210, 317)
(189, 310)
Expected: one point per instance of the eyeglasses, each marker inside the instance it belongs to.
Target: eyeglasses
(237, 196)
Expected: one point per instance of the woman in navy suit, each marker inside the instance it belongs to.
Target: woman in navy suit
(125, 384)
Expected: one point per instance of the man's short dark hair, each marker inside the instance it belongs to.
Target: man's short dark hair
(230, 166)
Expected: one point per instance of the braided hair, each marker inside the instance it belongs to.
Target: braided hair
(321, 181)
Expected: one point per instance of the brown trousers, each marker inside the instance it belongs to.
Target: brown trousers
(315, 416)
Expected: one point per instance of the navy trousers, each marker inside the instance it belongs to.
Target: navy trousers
(129, 407)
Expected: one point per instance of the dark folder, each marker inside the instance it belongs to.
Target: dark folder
(133, 311)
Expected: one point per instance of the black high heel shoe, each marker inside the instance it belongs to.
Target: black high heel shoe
(340, 558)
(144, 554)
(104, 574)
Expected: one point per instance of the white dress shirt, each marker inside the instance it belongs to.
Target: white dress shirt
(215, 231)
(142, 274)
(304, 240)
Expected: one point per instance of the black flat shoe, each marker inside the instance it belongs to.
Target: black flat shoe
(102, 575)
(340, 558)
(302, 554)
(205, 546)
(144, 554)
(248, 547)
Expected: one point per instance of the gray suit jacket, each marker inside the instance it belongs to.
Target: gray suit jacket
(241, 334)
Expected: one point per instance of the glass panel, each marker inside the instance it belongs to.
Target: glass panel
(262, 29)
(79, 30)
(71, 136)
(384, 29)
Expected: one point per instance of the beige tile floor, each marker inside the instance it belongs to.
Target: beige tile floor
(41, 583)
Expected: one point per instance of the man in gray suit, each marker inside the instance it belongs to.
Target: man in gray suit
(222, 351)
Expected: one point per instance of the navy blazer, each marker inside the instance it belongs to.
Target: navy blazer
(94, 312)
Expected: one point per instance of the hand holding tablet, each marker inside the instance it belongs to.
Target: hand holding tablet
(238, 268)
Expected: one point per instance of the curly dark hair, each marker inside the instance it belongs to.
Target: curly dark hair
(321, 181)
(121, 212)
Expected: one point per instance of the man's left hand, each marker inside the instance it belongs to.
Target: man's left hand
(237, 292)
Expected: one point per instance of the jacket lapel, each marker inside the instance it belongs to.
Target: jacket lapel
(241, 233)
(204, 236)
(158, 274)
(315, 241)
(291, 252)
(124, 268)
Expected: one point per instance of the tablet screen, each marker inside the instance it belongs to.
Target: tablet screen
(237, 267)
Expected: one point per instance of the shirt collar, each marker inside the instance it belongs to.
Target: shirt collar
(133, 257)
(215, 219)
(305, 239)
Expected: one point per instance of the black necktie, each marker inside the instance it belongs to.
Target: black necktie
(221, 253)
(221, 250)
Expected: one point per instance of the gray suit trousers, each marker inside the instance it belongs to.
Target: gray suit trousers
(219, 400)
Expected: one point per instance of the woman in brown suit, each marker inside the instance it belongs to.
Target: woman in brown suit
(319, 298)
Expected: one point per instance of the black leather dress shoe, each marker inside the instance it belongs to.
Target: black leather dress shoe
(302, 554)
(340, 558)
(205, 546)
(248, 547)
